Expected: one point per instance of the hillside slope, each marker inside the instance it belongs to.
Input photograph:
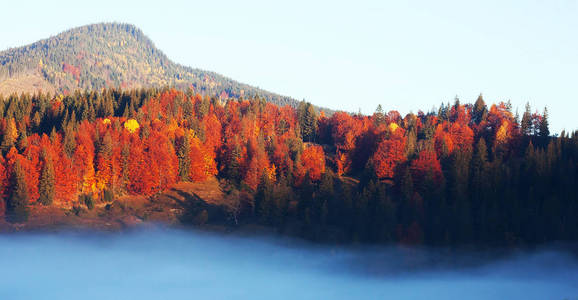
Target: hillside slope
(103, 55)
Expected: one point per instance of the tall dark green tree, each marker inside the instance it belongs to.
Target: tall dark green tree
(323, 197)
(307, 120)
(17, 202)
(233, 166)
(46, 182)
(458, 179)
(69, 141)
(479, 183)
(8, 139)
(526, 124)
(480, 110)
(544, 130)
(203, 107)
(265, 201)
(184, 155)
(378, 116)
(22, 142)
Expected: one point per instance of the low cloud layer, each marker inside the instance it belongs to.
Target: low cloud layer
(168, 264)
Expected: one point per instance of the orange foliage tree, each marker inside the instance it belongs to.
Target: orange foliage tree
(3, 185)
(202, 157)
(313, 161)
(389, 153)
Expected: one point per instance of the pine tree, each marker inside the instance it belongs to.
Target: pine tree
(17, 202)
(69, 141)
(108, 107)
(326, 193)
(479, 111)
(104, 162)
(9, 135)
(184, 156)
(22, 142)
(308, 121)
(232, 169)
(203, 107)
(526, 125)
(46, 183)
(405, 187)
(480, 158)
(264, 201)
(544, 130)
(378, 116)
(478, 183)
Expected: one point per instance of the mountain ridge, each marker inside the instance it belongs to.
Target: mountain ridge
(110, 55)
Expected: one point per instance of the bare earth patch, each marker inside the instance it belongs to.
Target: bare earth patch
(26, 83)
(126, 211)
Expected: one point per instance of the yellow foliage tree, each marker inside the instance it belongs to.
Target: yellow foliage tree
(11, 129)
(131, 125)
(271, 172)
(502, 134)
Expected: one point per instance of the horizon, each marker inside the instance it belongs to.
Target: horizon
(529, 61)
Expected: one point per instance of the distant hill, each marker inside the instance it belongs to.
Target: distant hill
(104, 55)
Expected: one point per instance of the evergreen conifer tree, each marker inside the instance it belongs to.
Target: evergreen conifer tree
(17, 202)
(46, 182)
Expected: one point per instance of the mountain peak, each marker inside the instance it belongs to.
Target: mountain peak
(109, 28)
(105, 55)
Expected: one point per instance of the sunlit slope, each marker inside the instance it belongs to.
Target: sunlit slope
(109, 55)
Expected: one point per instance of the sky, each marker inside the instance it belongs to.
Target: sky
(352, 55)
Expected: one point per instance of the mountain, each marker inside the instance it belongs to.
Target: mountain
(106, 55)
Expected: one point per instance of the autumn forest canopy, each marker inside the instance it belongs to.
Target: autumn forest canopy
(464, 174)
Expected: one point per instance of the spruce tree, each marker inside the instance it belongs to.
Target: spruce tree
(184, 156)
(203, 107)
(9, 136)
(378, 116)
(479, 111)
(233, 167)
(324, 196)
(22, 142)
(526, 124)
(480, 157)
(264, 201)
(308, 121)
(17, 202)
(478, 183)
(69, 141)
(46, 182)
(544, 130)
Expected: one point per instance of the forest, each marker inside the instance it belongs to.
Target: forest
(464, 174)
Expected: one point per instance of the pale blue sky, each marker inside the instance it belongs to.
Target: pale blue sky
(406, 55)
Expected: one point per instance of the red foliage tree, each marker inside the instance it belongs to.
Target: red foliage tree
(258, 164)
(140, 175)
(390, 152)
(426, 164)
(163, 162)
(3, 185)
(344, 131)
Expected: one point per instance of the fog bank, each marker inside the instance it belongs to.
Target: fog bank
(170, 264)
